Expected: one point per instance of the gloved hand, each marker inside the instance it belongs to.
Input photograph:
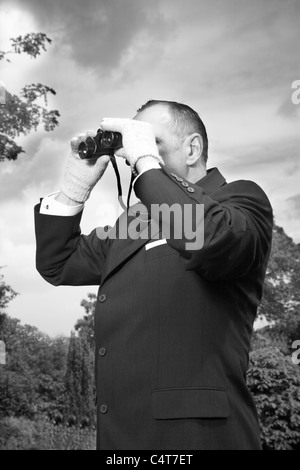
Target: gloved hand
(137, 136)
(81, 175)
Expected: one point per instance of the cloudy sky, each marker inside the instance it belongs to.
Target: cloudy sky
(234, 61)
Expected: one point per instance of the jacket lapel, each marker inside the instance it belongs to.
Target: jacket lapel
(129, 235)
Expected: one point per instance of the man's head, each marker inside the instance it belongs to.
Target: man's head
(180, 136)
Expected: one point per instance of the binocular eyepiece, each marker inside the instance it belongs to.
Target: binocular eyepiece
(104, 143)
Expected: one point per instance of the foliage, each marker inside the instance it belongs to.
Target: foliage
(47, 387)
(80, 385)
(40, 434)
(281, 297)
(45, 376)
(275, 384)
(281, 300)
(21, 114)
(273, 379)
(30, 44)
(85, 325)
(6, 294)
(32, 381)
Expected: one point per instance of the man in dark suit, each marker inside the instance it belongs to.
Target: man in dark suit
(173, 321)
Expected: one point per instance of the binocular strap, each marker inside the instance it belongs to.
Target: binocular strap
(120, 198)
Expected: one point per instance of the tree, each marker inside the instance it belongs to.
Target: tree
(272, 377)
(16, 390)
(21, 114)
(6, 294)
(85, 325)
(275, 384)
(281, 299)
(80, 379)
(282, 283)
(80, 382)
(32, 378)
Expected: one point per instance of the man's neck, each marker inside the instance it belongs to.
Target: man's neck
(197, 174)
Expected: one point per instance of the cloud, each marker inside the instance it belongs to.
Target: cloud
(98, 33)
(283, 152)
(295, 201)
(233, 61)
(235, 48)
(229, 46)
(289, 110)
(40, 168)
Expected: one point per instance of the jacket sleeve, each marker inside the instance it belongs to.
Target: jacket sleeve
(63, 255)
(236, 223)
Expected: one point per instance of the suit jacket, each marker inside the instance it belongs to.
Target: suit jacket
(172, 325)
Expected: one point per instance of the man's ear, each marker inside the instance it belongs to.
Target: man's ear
(194, 147)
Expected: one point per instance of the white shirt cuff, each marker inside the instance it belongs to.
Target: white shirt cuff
(51, 206)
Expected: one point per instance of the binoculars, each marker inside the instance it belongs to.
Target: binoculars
(104, 143)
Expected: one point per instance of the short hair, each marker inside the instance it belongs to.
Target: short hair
(185, 120)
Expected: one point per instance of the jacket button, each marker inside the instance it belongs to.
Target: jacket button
(173, 174)
(178, 178)
(102, 351)
(190, 190)
(185, 184)
(103, 408)
(102, 298)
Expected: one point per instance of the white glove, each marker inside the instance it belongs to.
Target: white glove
(81, 175)
(137, 136)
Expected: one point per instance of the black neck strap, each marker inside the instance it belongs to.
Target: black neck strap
(120, 198)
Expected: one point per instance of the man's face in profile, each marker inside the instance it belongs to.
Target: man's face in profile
(169, 145)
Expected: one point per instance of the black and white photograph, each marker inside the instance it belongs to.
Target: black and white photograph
(150, 227)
